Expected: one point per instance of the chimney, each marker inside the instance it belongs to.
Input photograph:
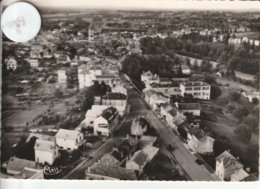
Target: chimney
(248, 169)
(177, 105)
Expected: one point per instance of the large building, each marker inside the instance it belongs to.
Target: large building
(197, 89)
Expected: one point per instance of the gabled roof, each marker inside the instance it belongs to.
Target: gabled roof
(167, 106)
(198, 133)
(139, 157)
(150, 151)
(109, 114)
(17, 164)
(67, 134)
(45, 145)
(239, 175)
(112, 171)
(229, 161)
(110, 159)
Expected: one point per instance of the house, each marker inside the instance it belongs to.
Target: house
(63, 59)
(185, 70)
(148, 140)
(119, 88)
(87, 75)
(21, 168)
(137, 162)
(167, 89)
(34, 63)
(116, 100)
(62, 76)
(92, 114)
(172, 116)
(45, 151)
(141, 158)
(251, 95)
(69, 139)
(239, 175)
(199, 141)
(228, 167)
(139, 127)
(106, 123)
(155, 99)
(197, 89)
(149, 78)
(15, 165)
(113, 158)
(11, 64)
(193, 108)
(100, 171)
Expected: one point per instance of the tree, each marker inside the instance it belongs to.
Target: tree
(243, 133)
(88, 99)
(240, 112)
(251, 122)
(210, 80)
(58, 93)
(235, 96)
(255, 101)
(215, 92)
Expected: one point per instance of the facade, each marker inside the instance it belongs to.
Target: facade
(227, 167)
(166, 89)
(62, 77)
(87, 75)
(92, 114)
(199, 141)
(34, 63)
(106, 122)
(45, 151)
(69, 139)
(197, 89)
(116, 100)
(149, 78)
(155, 99)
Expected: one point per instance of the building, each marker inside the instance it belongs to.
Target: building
(116, 100)
(229, 168)
(199, 141)
(149, 78)
(92, 114)
(119, 88)
(87, 75)
(63, 59)
(193, 108)
(197, 89)
(106, 123)
(251, 95)
(155, 99)
(167, 89)
(113, 158)
(69, 139)
(34, 63)
(137, 162)
(139, 127)
(45, 151)
(62, 76)
(91, 33)
(172, 116)
(100, 171)
(11, 64)
(15, 166)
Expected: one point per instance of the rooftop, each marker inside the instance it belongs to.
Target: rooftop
(139, 157)
(112, 171)
(115, 96)
(67, 134)
(195, 83)
(109, 114)
(44, 145)
(150, 151)
(198, 133)
(229, 160)
(17, 164)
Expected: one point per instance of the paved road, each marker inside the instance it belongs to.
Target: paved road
(186, 160)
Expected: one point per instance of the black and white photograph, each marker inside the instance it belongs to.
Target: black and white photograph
(141, 90)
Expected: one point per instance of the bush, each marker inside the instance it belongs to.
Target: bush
(240, 112)
(215, 92)
(243, 133)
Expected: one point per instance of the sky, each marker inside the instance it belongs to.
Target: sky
(148, 4)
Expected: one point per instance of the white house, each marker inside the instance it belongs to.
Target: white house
(116, 100)
(45, 151)
(148, 78)
(34, 63)
(228, 167)
(11, 64)
(92, 114)
(138, 161)
(119, 88)
(87, 75)
(105, 123)
(155, 99)
(139, 127)
(199, 141)
(197, 89)
(69, 139)
(167, 89)
(62, 77)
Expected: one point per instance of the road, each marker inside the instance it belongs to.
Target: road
(185, 159)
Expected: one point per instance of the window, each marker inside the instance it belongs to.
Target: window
(205, 88)
(188, 89)
(196, 88)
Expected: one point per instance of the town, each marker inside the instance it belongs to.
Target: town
(133, 95)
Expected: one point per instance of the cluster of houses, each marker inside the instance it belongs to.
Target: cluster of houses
(46, 149)
(237, 41)
(126, 161)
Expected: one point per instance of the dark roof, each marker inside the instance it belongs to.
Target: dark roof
(109, 114)
(173, 112)
(139, 157)
(229, 160)
(112, 171)
(189, 106)
(251, 177)
(115, 96)
(156, 85)
(142, 121)
(198, 133)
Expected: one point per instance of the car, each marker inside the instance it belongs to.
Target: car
(198, 161)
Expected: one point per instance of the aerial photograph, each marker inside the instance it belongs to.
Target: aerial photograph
(133, 92)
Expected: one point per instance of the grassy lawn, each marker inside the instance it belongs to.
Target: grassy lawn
(224, 123)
